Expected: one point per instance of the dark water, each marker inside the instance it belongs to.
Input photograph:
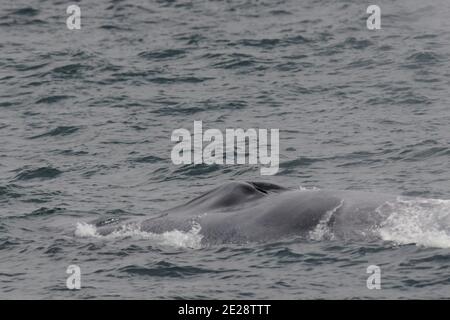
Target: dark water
(86, 119)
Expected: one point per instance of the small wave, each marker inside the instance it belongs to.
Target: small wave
(299, 162)
(59, 131)
(147, 159)
(52, 99)
(298, 39)
(353, 43)
(74, 69)
(196, 170)
(175, 80)
(262, 43)
(27, 11)
(424, 222)
(41, 212)
(424, 57)
(43, 173)
(177, 110)
(9, 191)
(165, 269)
(163, 54)
(174, 238)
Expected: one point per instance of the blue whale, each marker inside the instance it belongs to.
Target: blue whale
(239, 212)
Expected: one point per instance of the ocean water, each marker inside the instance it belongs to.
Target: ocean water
(86, 118)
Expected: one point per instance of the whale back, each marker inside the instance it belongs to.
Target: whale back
(227, 196)
(238, 212)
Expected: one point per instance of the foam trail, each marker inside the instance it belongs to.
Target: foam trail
(425, 222)
(322, 231)
(175, 238)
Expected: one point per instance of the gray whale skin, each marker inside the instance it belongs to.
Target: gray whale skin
(238, 212)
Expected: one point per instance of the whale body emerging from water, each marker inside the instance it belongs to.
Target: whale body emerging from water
(239, 212)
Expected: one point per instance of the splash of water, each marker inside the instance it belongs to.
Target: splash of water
(175, 238)
(302, 188)
(425, 222)
(323, 231)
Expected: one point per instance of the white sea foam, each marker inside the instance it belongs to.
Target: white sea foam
(425, 222)
(175, 238)
(323, 231)
(301, 188)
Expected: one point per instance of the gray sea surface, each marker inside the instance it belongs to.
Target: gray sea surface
(86, 118)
